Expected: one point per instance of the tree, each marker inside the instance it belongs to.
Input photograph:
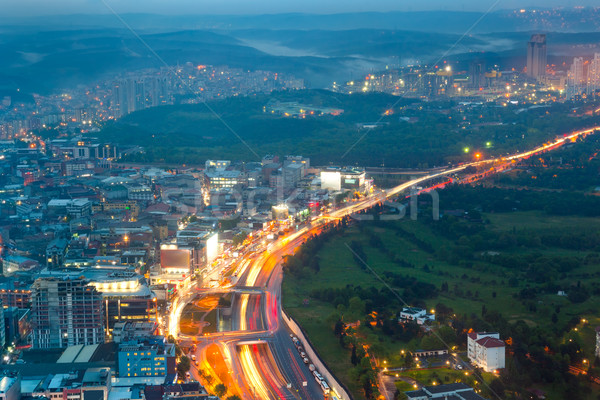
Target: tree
(220, 390)
(234, 397)
(353, 357)
(338, 328)
(497, 387)
(183, 366)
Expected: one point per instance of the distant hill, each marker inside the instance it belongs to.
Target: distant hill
(560, 20)
(192, 133)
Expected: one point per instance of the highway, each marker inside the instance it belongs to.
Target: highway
(258, 360)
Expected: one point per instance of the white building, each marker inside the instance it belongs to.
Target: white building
(486, 350)
(416, 314)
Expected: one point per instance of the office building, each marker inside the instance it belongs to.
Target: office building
(149, 356)
(222, 179)
(65, 312)
(2, 327)
(125, 296)
(536, 56)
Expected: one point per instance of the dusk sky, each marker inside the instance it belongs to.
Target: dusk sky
(42, 7)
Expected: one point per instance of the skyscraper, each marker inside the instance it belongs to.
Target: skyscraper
(2, 328)
(65, 312)
(576, 79)
(593, 77)
(536, 56)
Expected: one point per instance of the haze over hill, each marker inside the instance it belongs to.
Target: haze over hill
(46, 54)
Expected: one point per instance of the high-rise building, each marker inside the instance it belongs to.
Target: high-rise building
(536, 56)
(576, 79)
(593, 76)
(65, 312)
(477, 74)
(2, 328)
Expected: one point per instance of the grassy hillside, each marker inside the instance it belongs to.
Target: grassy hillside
(192, 133)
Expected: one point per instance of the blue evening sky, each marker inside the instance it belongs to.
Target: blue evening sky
(44, 7)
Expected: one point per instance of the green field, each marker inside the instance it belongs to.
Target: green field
(472, 285)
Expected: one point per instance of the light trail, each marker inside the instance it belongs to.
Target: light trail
(243, 309)
(252, 374)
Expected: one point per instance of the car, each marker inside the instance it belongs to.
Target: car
(311, 367)
(303, 355)
(305, 360)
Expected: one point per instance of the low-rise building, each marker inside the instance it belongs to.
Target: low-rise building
(127, 331)
(12, 264)
(89, 384)
(10, 388)
(452, 391)
(486, 350)
(418, 315)
(56, 252)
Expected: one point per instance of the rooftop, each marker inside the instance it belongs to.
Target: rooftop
(451, 387)
(490, 342)
(6, 382)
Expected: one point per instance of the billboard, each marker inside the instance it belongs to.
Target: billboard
(331, 180)
(175, 259)
(212, 247)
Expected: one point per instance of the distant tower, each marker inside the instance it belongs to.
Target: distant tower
(536, 56)
(119, 100)
(477, 73)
